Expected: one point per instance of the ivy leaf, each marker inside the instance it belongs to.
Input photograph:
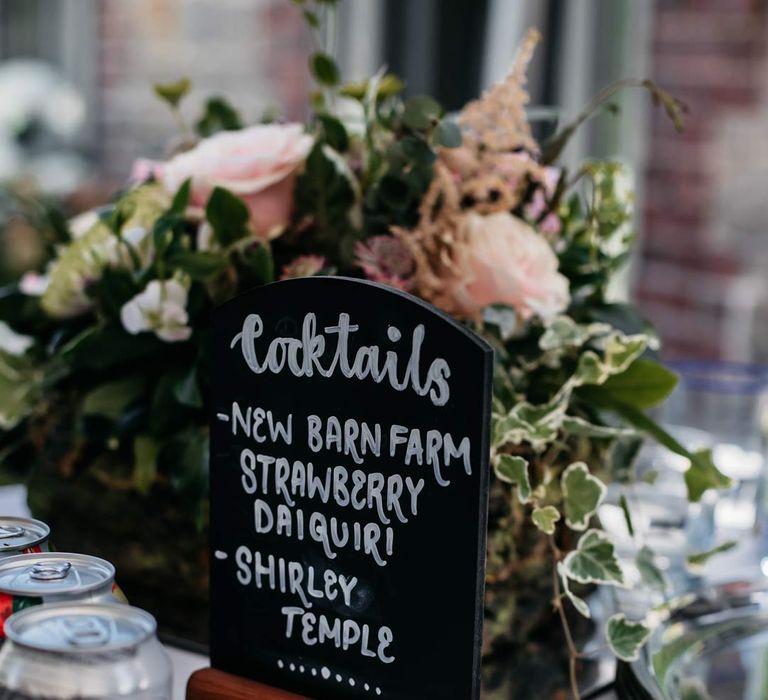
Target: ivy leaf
(545, 519)
(594, 560)
(173, 93)
(582, 494)
(145, 451)
(651, 575)
(578, 603)
(228, 216)
(421, 113)
(698, 560)
(514, 470)
(703, 475)
(626, 638)
(564, 332)
(324, 69)
(620, 351)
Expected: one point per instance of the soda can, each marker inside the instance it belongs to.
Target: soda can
(72, 650)
(52, 577)
(22, 536)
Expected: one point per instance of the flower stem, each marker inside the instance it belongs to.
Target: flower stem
(573, 653)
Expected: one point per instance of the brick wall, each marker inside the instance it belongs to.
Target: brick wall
(711, 54)
(251, 51)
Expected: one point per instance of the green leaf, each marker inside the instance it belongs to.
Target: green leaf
(187, 390)
(20, 389)
(421, 113)
(582, 495)
(545, 519)
(181, 198)
(578, 426)
(703, 475)
(218, 115)
(627, 515)
(650, 574)
(228, 216)
(594, 560)
(697, 561)
(514, 470)
(312, 19)
(200, 265)
(324, 69)
(335, 133)
(263, 263)
(578, 603)
(448, 134)
(644, 384)
(173, 93)
(626, 638)
(110, 400)
(145, 451)
(389, 86)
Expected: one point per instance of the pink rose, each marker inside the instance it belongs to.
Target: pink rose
(258, 164)
(507, 262)
(145, 168)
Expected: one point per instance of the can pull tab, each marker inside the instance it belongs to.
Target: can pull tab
(53, 570)
(85, 632)
(7, 531)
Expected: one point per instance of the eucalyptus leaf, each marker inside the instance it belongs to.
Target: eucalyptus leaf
(187, 390)
(625, 637)
(514, 470)
(594, 560)
(644, 384)
(421, 113)
(448, 134)
(582, 495)
(545, 519)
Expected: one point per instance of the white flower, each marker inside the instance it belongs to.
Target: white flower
(159, 308)
(12, 342)
(33, 284)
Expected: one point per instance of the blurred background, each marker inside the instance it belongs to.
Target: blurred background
(76, 108)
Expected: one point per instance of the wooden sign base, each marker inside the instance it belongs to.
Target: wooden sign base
(210, 684)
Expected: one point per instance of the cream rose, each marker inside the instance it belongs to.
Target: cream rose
(258, 164)
(506, 262)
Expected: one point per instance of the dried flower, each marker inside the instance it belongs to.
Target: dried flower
(387, 260)
(303, 266)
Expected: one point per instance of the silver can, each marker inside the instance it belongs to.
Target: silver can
(54, 577)
(70, 650)
(22, 536)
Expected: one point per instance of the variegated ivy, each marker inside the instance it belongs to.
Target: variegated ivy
(609, 379)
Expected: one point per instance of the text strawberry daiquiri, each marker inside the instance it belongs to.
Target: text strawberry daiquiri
(303, 357)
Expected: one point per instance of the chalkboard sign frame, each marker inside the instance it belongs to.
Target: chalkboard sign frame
(311, 287)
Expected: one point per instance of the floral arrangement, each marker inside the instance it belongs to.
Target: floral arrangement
(104, 351)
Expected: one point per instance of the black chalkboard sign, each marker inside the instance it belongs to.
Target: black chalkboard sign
(349, 489)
